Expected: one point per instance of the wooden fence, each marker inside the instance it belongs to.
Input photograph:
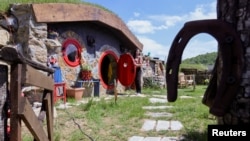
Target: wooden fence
(24, 72)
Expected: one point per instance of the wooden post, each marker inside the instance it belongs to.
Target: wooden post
(3, 101)
(15, 96)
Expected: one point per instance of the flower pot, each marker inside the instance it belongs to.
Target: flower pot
(86, 75)
(76, 93)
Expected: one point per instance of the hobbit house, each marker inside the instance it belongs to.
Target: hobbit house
(71, 37)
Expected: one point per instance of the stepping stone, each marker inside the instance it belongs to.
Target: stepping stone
(171, 139)
(186, 96)
(160, 96)
(136, 138)
(159, 114)
(156, 107)
(148, 125)
(108, 98)
(63, 106)
(158, 100)
(175, 125)
(168, 125)
(139, 138)
(152, 139)
(162, 125)
(156, 92)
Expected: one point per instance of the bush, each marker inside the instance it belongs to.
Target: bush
(148, 82)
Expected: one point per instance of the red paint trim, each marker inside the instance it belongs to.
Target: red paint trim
(104, 54)
(79, 50)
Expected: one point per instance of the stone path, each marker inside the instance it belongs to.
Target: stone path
(152, 124)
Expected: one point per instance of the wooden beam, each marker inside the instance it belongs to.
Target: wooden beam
(15, 95)
(33, 77)
(31, 121)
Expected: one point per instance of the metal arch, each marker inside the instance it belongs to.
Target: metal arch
(232, 58)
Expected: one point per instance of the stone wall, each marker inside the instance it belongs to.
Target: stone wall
(31, 35)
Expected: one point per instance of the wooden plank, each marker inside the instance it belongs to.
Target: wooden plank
(3, 99)
(30, 119)
(15, 95)
(49, 116)
(33, 77)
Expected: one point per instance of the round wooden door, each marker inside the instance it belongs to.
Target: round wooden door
(126, 69)
(108, 69)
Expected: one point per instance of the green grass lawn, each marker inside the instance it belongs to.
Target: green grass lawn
(107, 120)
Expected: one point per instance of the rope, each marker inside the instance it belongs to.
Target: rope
(78, 125)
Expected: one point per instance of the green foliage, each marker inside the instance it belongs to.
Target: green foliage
(199, 67)
(4, 6)
(205, 59)
(199, 62)
(76, 136)
(148, 82)
(86, 107)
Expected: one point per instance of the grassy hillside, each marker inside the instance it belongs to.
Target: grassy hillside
(199, 62)
(5, 3)
(205, 59)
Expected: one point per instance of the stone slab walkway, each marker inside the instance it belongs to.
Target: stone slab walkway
(140, 138)
(158, 125)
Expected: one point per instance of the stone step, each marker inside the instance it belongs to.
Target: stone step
(140, 138)
(158, 100)
(159, 114)
(158, 125)
(156, 107)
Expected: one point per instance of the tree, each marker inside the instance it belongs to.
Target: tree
(237, 13)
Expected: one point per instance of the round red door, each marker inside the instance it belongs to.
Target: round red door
(112, 69)
(108, 69)
(126, 69)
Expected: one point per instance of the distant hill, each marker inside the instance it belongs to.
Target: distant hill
(205, 59)
(200, 62)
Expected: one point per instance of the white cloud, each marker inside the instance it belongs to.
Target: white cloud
(136, 14)
(141, 26)
(154, 23)
(168, 21)
(196, 47)
(161, 22)
(201, 12)
(155, 49)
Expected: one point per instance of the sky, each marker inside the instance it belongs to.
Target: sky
(155, 23)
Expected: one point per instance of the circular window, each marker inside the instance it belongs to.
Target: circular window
(71, 50)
